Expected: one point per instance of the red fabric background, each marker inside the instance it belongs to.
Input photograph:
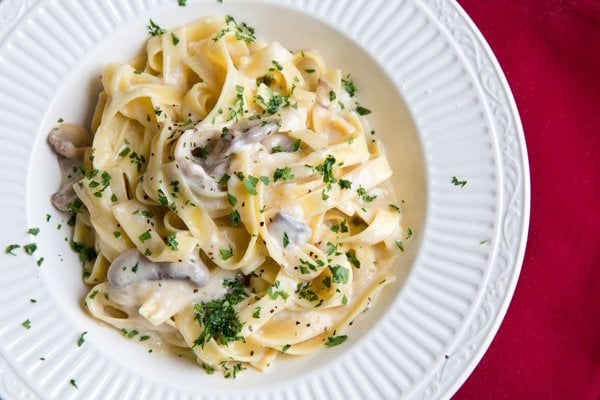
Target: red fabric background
(548, 346)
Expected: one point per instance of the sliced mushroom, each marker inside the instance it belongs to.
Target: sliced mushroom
(245, 133)
(131, 267)
(203, 155)
(70, 173)
(69, 141)
(284, 225)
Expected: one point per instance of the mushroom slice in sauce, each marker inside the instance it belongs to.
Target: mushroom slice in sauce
(69, 141)
(131, 267)
(286, 225)
(203, 155)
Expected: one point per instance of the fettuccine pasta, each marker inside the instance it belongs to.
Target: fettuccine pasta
(232, 199)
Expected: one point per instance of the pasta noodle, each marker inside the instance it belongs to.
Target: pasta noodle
(231, 200)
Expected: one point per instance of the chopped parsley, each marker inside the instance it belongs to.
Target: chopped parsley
(283, 174)
(335, 340)
(182, 3)
(349, 86)
(332, 95)
(242, 30)
(277, 65)
(235, 218)
(201, 152)
(218, 317)
(154, 29)
(85, 253)
(345, 184)
(172, 241)
(175, 39)
(326, 169)
(138, 160)
(400, 245)
(33, 231)
(351, 255)
(296, 146)
(26, 324)
(362, 110)
(364, 196)
(81, 339)
(304, 292)
(74, 384)
(286, 239)
(395, 207)
(285, 348)
(40, 261)
(225, 254)
(224, 179)
(275, 103)
(9, 249)
(273, 292)
(339, 274)
(231, 199)
(250, 184)
(256, 313)
(458, 182)
(145, 236)
(30, 248)
(162, 198)
(409, 233)
(117, 234)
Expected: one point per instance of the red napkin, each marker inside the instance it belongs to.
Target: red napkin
(548, 346)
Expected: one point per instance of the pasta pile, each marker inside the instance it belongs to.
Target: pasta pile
(233, 201)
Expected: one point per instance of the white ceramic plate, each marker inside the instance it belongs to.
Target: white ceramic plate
(440, 104)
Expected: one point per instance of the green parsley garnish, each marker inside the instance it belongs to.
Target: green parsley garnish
(26, 324)
(345, 184)
(250, 184)
(224, 179)
(145, 236)
(235, 218)
(81, 339)
(339, 274)
(175, 39)
(362, 110)
(458, 182)
(40, 261)
(351, 255)
(219, 318)
(332, 95)
(400, 245)
(182, 3)
(335, 340)
(154, 29)
(286, 239)
(256, 313)
(30, 248)
(231, 199)
(363, 194)
(225, 254)
(283, 174)
(162, 198)
(33, 231)
(172, 241)
(349, 86)
(74, 384)
(285, 348)
(10, 248)
(273, 292)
